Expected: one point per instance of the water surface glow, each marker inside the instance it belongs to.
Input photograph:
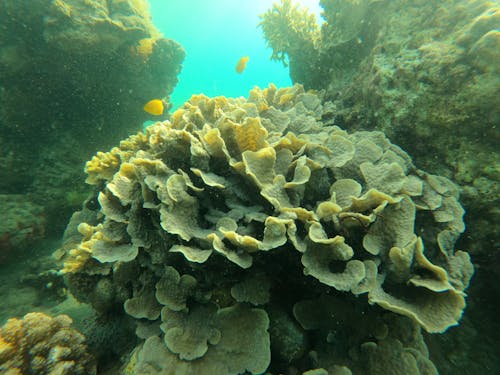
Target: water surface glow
(215, 34)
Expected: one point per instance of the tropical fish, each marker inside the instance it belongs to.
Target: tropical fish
(242, 64)
(154, 107)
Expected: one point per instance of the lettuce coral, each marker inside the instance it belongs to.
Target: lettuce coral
(236, 207)
(23, 223)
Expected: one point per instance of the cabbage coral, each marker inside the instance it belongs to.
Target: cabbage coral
(219, 225)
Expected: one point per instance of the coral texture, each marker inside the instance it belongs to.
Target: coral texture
(425, 73)
(40, 344)
(425, 70)
(236, 207)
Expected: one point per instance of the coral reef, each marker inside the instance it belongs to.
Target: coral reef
(426, 74)
(41, 344)
(222, 229)
(74, 76)
(293, 35)
(425, 70)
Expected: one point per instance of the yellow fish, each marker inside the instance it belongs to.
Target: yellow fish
(242, 64)
(154, 107)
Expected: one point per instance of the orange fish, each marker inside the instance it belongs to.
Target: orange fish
(242, 64)
(154, 107)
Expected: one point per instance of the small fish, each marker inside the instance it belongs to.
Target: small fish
(154, 107)
(242, 64)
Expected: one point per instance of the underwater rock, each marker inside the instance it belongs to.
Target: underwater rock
(426, 74)
(75, 75)
(235, 203)
(22, 224)
(426, 71)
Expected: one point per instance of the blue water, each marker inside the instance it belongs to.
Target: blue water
(215, 35)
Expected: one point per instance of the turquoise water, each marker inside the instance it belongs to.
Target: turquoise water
(215, 35)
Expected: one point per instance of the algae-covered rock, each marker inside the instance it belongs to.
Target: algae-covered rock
(292, 34)
(235, 211)
(75, 75)
(23, 222)
(426, 74)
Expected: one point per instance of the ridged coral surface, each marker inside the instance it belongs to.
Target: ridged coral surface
(234, 209)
